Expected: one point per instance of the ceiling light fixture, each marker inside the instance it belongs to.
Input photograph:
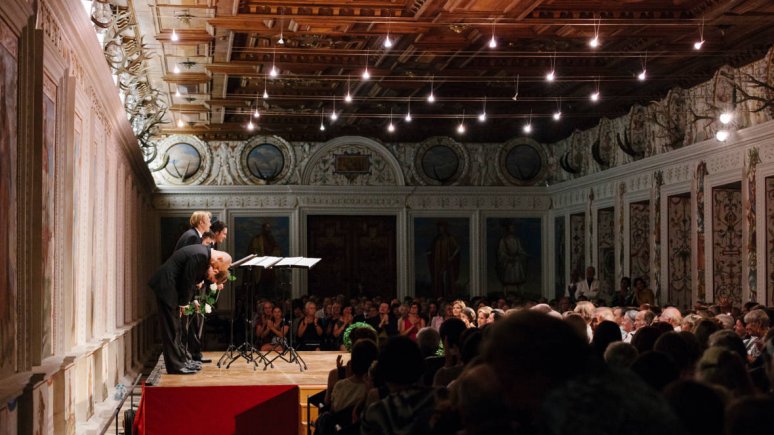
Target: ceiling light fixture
(516, 89)
(493, 41)
(698, 44)
(726, 117)
(256, 114)
(281, 40)
(641, 76)
(391, 126)
(274, 72)
(334, 115)
(558, 114)
(595, 95)
(551, 75)
(366, 74)
(180, 123)
(408, 111)
(387, 40)
(594, 42)
(250, 125)
(176, 69)
(265, 91)
(482, 115)
(431, 97)
(528, 126)
(174, 37)
(722, 135)
(322, 125)
(177, 92)
(348, 97)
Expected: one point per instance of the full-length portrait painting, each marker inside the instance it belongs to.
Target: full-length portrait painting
(513, 253)
(441, 256)
(263, 236)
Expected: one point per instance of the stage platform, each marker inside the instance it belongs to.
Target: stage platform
(239, 396)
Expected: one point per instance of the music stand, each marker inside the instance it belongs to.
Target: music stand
(288, 348)
(246, 350)
(231, 349)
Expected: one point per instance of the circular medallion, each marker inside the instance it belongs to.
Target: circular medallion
(522, 162)
(440, 161)
(184, 161)
(265, 161)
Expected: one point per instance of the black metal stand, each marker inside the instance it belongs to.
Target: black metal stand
(289, 353)
(246, 350)
(231, 349)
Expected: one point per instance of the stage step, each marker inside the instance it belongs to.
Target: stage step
(305, 391)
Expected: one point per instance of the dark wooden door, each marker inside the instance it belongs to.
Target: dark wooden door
(358, 255)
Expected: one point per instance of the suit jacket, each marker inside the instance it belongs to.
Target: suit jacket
(175, 281)
(190, 237)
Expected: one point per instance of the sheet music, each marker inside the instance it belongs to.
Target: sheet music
(307, 262)
(268, 262)
(288, 261)
(242, 260)
(253, 263)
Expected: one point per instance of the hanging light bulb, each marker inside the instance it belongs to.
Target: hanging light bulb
(557, 115)
(281, 40)
(250, 125)
(265, 94)
(527, 128)
(387, 42)
(726, 117)
(334, 116)
(322, 125)
(391, 127)
(176, 69)
(595, 96)
(273, 72)
(516, 89)
(180, 123)
(550, 76)
(408, 117)
(348, 97)
(641, 76)
(256, 114)
(698, 44)
(493, 41)
(174, 37)
(482, 115)
(177, 93)
(461, 128)
(431, 97)
(721, 135)
(366, 74)
(408, 111)
(594, 42)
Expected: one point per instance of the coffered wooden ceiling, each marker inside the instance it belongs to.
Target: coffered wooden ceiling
(226, 49)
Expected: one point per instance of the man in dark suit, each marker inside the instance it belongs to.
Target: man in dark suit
(200, 222)
(174, 284)
(220, 230)
(193, 327)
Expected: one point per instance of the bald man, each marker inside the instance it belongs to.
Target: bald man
(174, 284)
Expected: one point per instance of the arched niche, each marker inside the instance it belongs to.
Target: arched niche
(352, 161)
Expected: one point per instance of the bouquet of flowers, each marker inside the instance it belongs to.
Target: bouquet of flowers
(203, 304)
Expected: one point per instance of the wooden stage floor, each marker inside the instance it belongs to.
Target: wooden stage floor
(316, 375)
